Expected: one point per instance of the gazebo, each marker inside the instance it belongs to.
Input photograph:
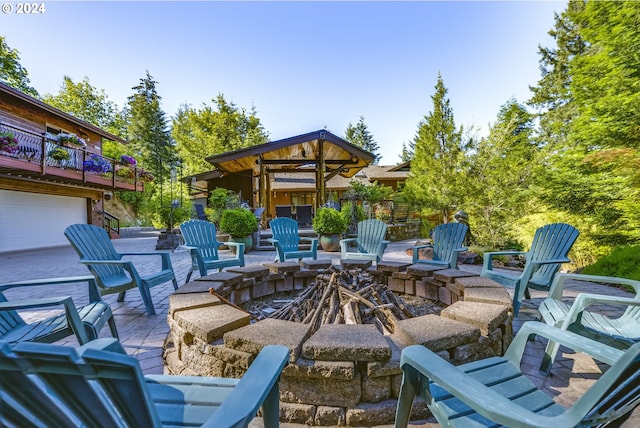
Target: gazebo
(316, 157)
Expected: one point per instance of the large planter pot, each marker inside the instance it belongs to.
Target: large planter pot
(331, 242)
(246, 240)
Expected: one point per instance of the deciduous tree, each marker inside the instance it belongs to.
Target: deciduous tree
(12, 72)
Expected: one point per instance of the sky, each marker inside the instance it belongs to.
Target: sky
(303, 66)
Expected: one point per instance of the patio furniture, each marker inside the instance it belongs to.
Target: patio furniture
(200, 212)
(447, 244)
(619, 333)
(284, 211)
(549, 249)
(112, 273)
(369, 244)
(494, 392)
(304, 215)
(85, 322)
(98, 385)
(201, 241)
(286, 240)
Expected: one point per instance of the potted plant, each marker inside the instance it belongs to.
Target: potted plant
(329, 224)
(239, 223)
(97, 164)
(71, 140)
(8, 142)
(127, 160)
(59, 154)
(146, 176)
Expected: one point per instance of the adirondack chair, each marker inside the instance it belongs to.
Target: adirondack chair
(303, 215)
(112, 273)
(200, 212)
(370, 242)
(85, 323)
(286, 240)
(284, 211)
(200, 239)
(98, 385)
(494, 392)
(447, 244)
(618, 333)
(549, 249)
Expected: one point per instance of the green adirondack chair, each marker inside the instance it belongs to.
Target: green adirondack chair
(98, 385)
(618, 333)
(85, 322)
(112, 273)
(370, 242)
(201, 241)
(447, 244)
(549, 249)
(286, 240)
(493, 392)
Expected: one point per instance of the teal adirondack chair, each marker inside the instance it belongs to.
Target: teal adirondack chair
(493, 392)
(618, 333)
(549, 249)
(286, 240)
(447, 244)
(98, 385)
(201, 241)
(370, 242)
(112, 273)
(85, 322)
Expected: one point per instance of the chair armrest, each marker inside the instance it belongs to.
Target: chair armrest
(419, 247)
(557, 286)
(165, 255)
(461, 249)
(348, 240)
(94, 295)
(487, 263)
(71, 313)
(258, 385)
(584, 300)
(308, 239)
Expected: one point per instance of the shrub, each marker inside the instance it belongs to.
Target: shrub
(328, 221)
(238, 222)
(622, 262)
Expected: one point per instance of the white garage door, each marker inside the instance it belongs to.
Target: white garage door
(33, 220)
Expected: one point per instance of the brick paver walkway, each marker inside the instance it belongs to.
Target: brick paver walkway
(144, 336)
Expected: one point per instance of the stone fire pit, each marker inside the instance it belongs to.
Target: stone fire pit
(341, 374)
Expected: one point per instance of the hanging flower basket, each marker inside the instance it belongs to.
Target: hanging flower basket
(146, 176)
(59, 154)
(8, 142)
(71, 140)
(125, 172)
(128, 160)
(97, 164)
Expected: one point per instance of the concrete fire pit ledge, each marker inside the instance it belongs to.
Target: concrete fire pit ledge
(342, 375)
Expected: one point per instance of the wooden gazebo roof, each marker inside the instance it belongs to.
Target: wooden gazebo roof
(295, 153)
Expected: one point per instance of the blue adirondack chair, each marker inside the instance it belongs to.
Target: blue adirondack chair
(200, 239)
(369, 244)
(447, 244)
(85, 322)
(549, 249)
(619, 333)
(493, 392)
(112, 273)
(286, 240)
(98, 385)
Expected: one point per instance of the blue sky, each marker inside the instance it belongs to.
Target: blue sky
(303, 65)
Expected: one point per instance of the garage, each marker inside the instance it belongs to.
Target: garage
(34, 220)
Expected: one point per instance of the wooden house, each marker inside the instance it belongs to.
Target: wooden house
(45, 182)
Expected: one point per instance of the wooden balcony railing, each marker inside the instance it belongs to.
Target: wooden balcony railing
(33, 158)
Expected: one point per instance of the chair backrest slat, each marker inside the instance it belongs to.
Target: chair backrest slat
(550, 242)
(446, 238)
(285, 230)
(93, 243)
(202, 235)
(370, 234)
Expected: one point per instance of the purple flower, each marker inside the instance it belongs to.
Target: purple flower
(128, 160)
(97, 163)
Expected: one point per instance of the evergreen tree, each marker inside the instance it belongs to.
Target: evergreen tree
(147, 129)
(360, 136)
(11, 72)
(407, 153)
(211, 130)
(438, 170)
(85, 102)
(500, 176)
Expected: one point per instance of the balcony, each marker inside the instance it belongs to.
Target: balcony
(32, 160)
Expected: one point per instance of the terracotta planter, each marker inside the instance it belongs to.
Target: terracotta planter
(330, 243)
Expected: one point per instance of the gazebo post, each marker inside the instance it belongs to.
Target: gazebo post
(320, 166)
